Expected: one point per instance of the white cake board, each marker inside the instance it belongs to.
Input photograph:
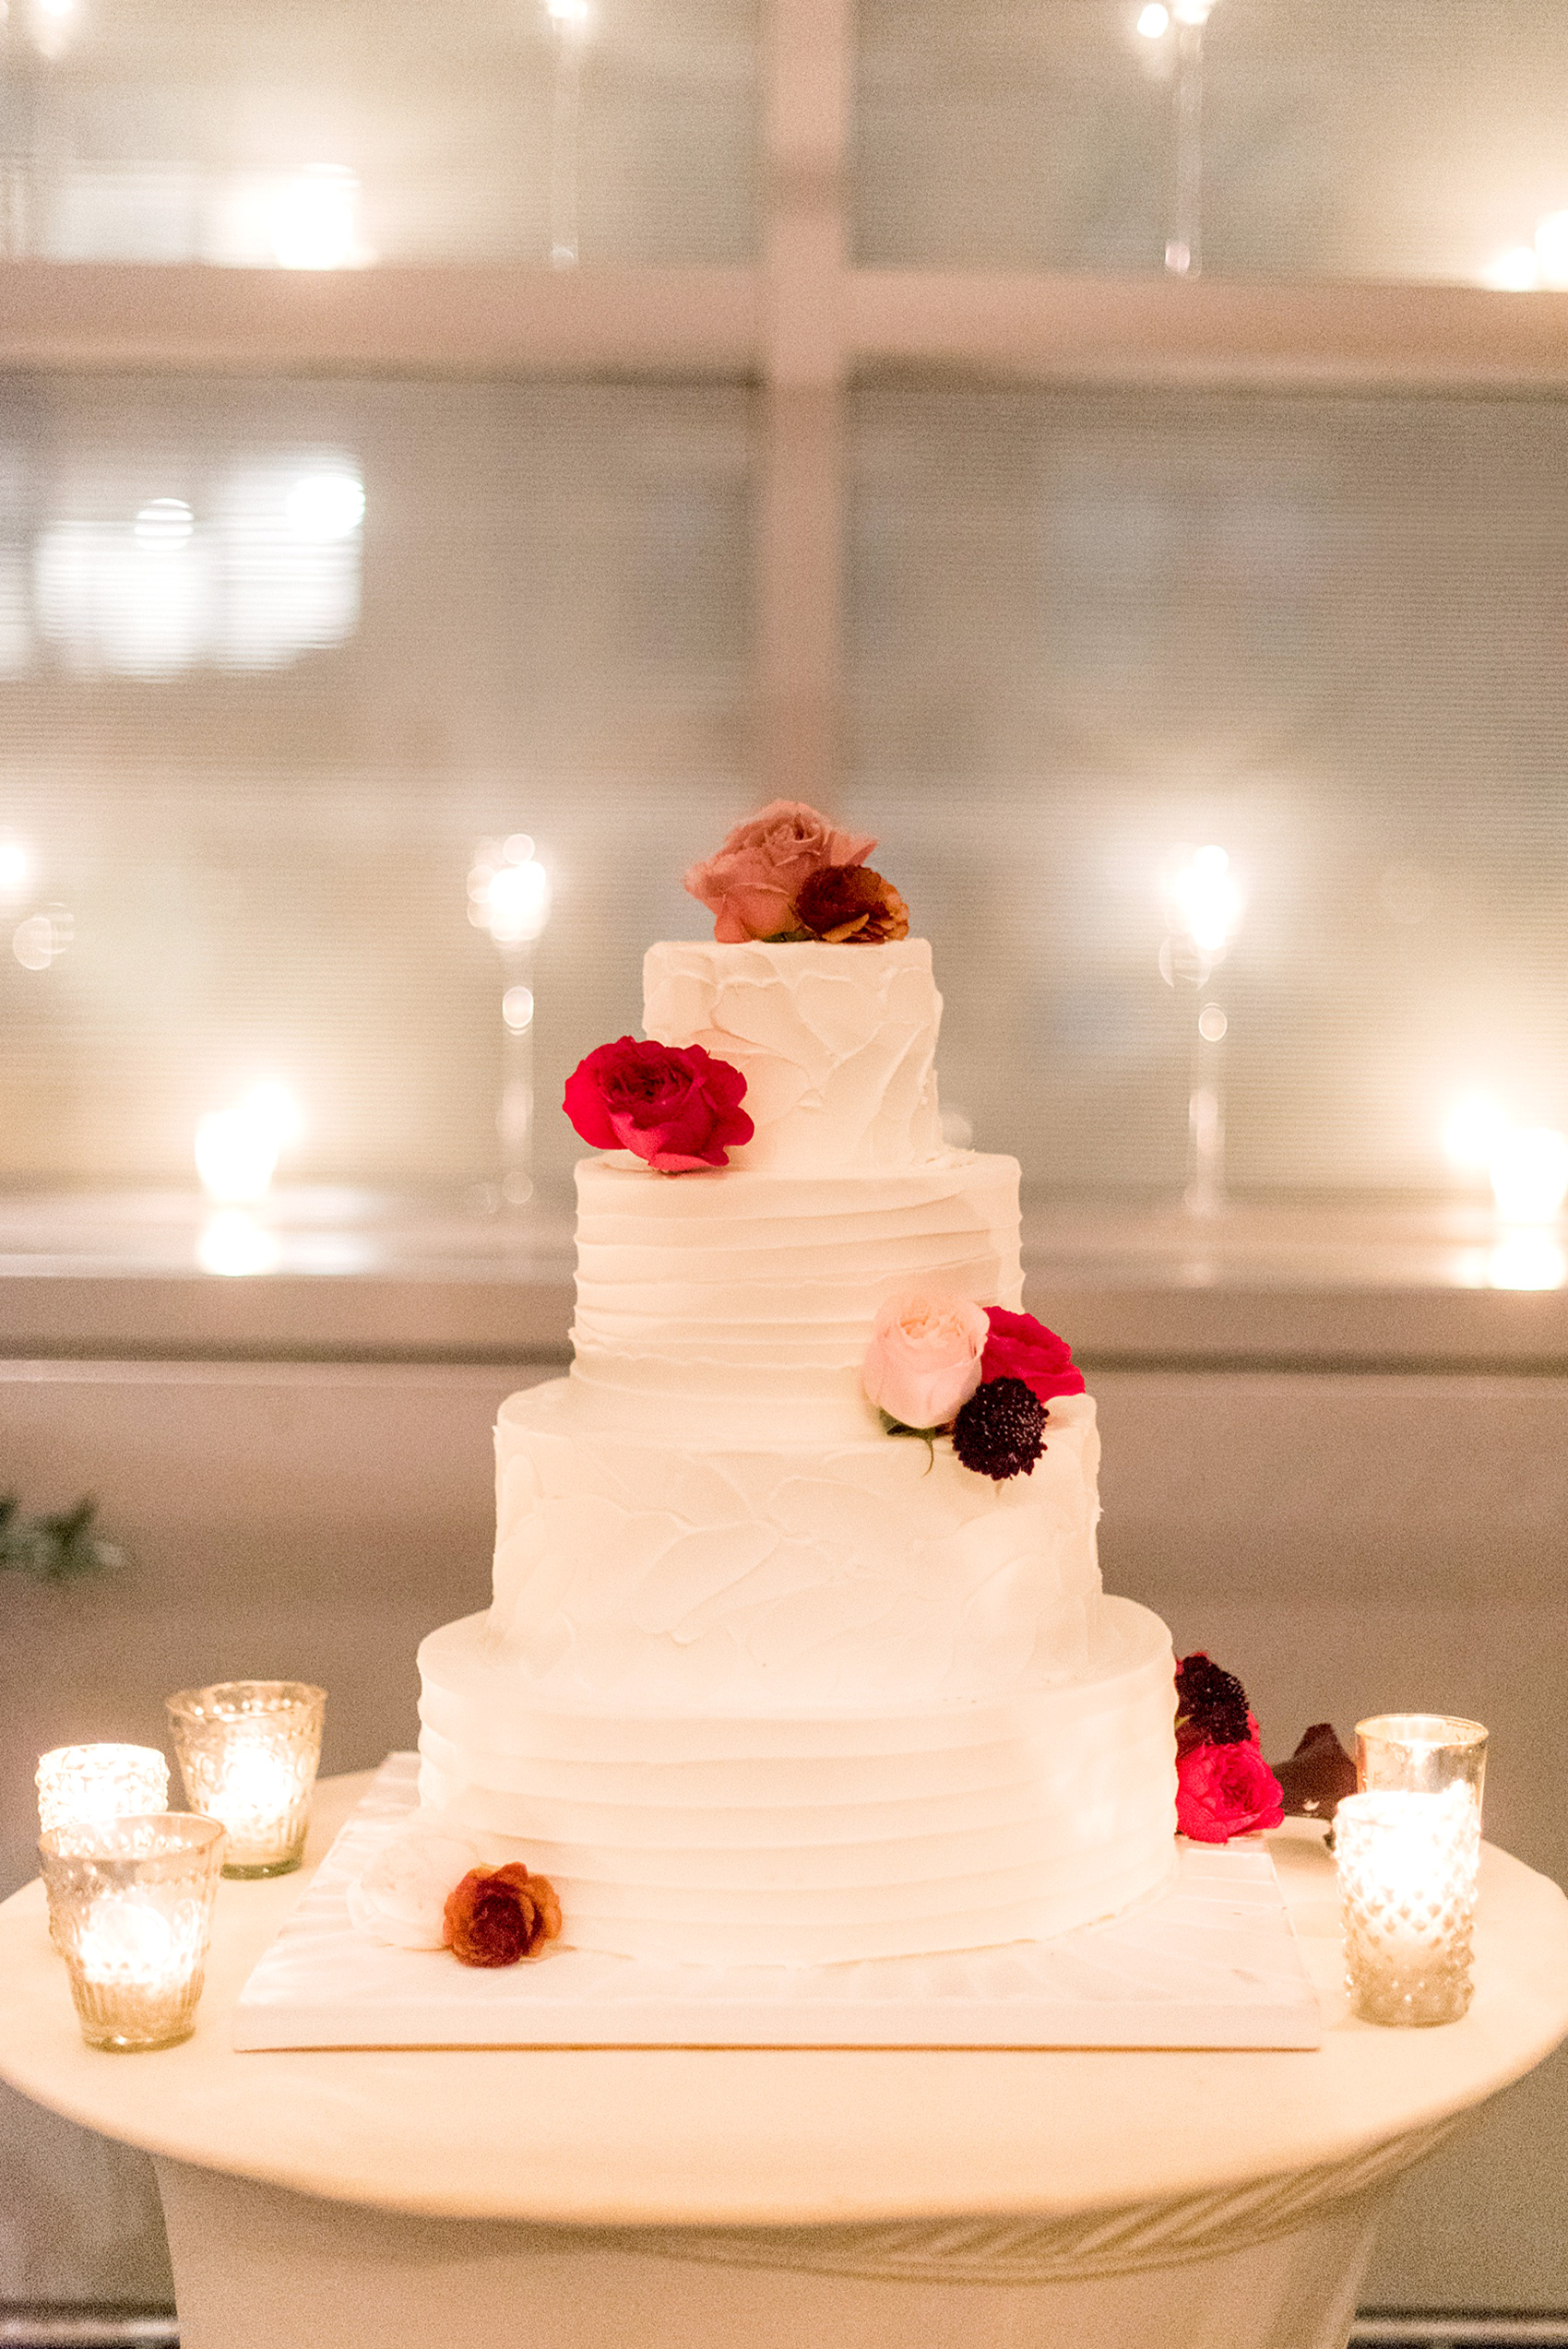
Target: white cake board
(1212, 1962)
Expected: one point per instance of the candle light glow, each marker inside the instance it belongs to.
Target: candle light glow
(86, 1785)
(248, 1753)
(130, 1909)
(1408, 1868)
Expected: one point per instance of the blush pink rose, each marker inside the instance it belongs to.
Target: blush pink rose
(675, 1105)
(1226, 1790)
(752, 885)
(923, 1362)
(1020, 1347)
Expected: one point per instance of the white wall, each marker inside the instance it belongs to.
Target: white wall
(1346, 1543)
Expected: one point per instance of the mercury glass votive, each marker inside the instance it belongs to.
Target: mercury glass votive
(81, 1785)
(1420, 1753)
(248, 1753)
(130, 1908)
(1407, 1865)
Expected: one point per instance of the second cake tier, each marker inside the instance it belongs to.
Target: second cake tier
(738, 1289)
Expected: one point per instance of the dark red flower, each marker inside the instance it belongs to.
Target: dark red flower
(1226, 1790)
(999, 1432)
(849, 904)
(752, 885)
(1211, 1706)
(499, 1914)
(1021, 1347)
(674, 1105)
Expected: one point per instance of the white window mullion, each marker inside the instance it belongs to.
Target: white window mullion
(801, 508)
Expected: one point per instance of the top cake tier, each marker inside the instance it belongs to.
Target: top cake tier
(837, 1045)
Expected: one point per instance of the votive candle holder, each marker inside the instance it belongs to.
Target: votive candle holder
(1420, 1753)
(82, 1785)
(249, 1752)
(1407, 1864)
(130, 1908)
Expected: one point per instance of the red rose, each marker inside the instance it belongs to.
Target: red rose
(1226, 1790)
(1021, 1347)
(678, 1107)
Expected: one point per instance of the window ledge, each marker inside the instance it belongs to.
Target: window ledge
(339, 1275)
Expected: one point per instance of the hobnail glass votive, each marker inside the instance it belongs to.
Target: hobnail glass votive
(248, 1753)
(1420, 1753)
(130, 1908)
(81, 1785)
(1407, 1865)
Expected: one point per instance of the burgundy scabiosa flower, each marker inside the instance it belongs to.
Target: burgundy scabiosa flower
(1000, 1431)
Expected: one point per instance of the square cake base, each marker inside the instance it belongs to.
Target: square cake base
(1211, 1961)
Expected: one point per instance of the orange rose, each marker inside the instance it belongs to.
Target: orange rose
(499, 1914)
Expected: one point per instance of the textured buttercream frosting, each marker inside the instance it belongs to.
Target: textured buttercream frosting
(751, 1575)
(761, 1682)
(816, 1838)
(837, 1045)
(734, 1289)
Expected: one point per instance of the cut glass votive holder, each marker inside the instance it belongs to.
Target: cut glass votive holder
(130, 1909)
(1407, 1865)
(82, 1785)
(1420, 1753)
(248, 1753)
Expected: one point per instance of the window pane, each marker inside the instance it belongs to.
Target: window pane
(1324, 635)
(277, 657)
(1414, 138)
(327, 134)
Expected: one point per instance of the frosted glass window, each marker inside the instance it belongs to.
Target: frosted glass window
(1413, 138)
(274, 660)
(332, 134)
(1325, 634)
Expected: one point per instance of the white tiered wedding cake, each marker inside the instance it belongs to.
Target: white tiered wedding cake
(761, 1683)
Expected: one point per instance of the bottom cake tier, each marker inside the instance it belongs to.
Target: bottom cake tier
(809, 1838)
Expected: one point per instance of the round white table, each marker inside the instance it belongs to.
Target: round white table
(583, 2199)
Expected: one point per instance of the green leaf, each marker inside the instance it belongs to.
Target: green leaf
(927, 1435)
(60, 1546)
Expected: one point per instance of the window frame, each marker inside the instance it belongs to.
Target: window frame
(806, 326)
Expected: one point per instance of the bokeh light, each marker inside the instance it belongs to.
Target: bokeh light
(237, 1150)
(313, 219)
(324, 506)
(1528, 1167)
(1206, 901)
(234, 1245)
(1472, 1130)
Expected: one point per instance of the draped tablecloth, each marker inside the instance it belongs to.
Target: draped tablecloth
(759, 2199)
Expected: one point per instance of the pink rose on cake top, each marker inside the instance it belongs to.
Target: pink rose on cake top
(677, 1109)
(752, 885)
(788, 876)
